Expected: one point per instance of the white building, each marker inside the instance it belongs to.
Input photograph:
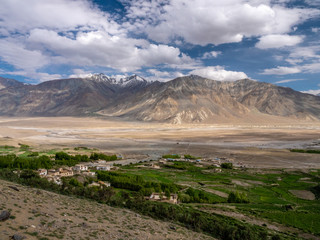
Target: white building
(42, 172)
(91, 174)
(55, 179)
(103, 167)
(80, 167)
(162, 197)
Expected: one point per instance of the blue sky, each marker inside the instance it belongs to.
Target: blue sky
(275, 41)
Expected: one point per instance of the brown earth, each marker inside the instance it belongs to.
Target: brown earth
(258, 146)
(38, 214)
(303, 194)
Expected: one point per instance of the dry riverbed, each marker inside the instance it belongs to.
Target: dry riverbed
(261, 146)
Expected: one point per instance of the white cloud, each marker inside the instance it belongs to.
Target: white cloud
(289, 80)
(305, 53)
(311, 67)
(212, 54)
(307, 59)
(219, 73)
(31, 75)
(315, 29)
(313, 92)
(79, 73)
(37, 34)
(221, 21)
(281, 71)
(163, 76)
(278, 41)
(315, 3)
(158, 73)
(16, 54)
(62, 15)
(76, 33)
(100, 49)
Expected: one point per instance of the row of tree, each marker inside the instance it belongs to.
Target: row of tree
(137, 183)
(14, 162)
(34, 161)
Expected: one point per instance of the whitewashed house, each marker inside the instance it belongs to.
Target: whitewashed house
(66, 173)
(80, 168)
(103, 167)
(42, 172)
(90, 174)
(163, 198)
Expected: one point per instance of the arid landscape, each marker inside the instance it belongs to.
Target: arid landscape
(38, 214)
(263, 150)
(160, 119)
(257, 146)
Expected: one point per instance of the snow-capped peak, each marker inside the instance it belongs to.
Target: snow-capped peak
(123, 81)
(100, 77)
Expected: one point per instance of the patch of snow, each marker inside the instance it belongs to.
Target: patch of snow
(124, 81)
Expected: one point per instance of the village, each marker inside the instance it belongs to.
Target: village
(88, 169)
(55, 175)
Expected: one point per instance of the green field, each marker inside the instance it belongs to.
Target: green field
(26, 151)
(282, 196)
(267, 190)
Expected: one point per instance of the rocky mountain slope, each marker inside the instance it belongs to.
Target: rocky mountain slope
(65, 97)
(7, 82)
(190, 99)
(195, 99)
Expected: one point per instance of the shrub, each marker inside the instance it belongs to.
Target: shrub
(173, 156)
(24, 147)
(97, 156)
(62, 156)
(236, 197)
(33, 154)
(227, 165)
(188, 156)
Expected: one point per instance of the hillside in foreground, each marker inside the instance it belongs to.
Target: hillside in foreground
(39, 214)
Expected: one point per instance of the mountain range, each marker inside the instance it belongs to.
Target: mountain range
(189, 99)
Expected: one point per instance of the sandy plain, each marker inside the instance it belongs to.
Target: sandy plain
(259, 146)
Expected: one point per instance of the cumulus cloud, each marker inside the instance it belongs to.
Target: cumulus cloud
(79, 73)
(219, 73)
(101, 49)
(163, 76)
(37, 34)
(315, 29)
(221, 21)
(212, 54)
(278, 41)
(31, 75)
(62, 15)
(76, 33)
(313, 92)
(16, 54)
(281, 71)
